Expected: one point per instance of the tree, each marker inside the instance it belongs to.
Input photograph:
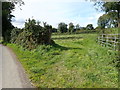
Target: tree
(83, 28)
(20, 2)
(62, 27)
(98, 28)
(102, 21)
(77, 27)
(54, 30)
(89, 27)
(71, 28)
(7, 8)
(107, 21)
(111, 8)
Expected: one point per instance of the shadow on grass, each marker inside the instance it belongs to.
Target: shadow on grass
(64, 38)
(56, 46)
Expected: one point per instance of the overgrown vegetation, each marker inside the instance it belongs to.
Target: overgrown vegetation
(32, 35)
(108, 31)
(70, 63)
(73, 60)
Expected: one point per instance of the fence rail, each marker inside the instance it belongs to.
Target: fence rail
(110, 40)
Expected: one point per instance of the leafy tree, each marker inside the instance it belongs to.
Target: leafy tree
(108, 20)
(98, 28)
(62, 27)
(19, 2)
(77, 27)
(102, 21)
(83, 28)
(112, 9)
(71, 27)
(89, 27)
(113, 22)
(7, 8)
(54, 30)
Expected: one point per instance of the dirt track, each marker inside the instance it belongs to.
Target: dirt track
(13, 74)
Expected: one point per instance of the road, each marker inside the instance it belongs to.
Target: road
(0, 67)
(13, 74)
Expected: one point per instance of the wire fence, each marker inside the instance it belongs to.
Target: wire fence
(110, 40)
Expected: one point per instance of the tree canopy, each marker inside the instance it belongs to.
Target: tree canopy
(77, 27)
(112, 13)
(7, 8)
(71, 27)
(89, 27)
(62, 27)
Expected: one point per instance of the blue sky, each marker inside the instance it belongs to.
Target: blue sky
(56, 11)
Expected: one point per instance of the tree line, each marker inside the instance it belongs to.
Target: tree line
(71, 28)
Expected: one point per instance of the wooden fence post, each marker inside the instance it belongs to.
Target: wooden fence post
(102, 40)
(113, 42)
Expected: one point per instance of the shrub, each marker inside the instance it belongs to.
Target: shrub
(14, 34)
(32, 34)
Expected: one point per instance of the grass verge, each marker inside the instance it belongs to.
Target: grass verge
(70, 63)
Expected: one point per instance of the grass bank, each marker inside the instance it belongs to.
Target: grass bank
(75, 62)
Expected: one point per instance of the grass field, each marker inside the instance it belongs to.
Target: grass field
(75, 61)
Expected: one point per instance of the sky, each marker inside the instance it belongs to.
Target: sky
(55, 11)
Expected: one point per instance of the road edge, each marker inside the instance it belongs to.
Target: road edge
(23, 75)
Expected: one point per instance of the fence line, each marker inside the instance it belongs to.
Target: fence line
(110, 40)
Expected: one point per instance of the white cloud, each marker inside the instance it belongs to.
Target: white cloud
(18, 22)
(92, 19)
(56, 11)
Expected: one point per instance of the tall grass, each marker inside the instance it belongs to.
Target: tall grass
(70, 63)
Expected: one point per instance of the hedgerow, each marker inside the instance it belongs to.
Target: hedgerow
(32, 35)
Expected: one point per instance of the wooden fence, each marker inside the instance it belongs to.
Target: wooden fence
(110, 40)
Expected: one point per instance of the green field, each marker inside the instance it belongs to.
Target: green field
(74, 61)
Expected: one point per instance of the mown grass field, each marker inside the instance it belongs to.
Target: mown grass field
(75, 61)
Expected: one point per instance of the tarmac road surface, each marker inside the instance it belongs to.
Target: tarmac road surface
(0, 67)
(12, 72)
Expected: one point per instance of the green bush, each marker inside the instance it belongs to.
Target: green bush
(14, 34)
(32, 34)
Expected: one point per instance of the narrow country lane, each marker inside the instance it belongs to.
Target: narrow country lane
(13, 74)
